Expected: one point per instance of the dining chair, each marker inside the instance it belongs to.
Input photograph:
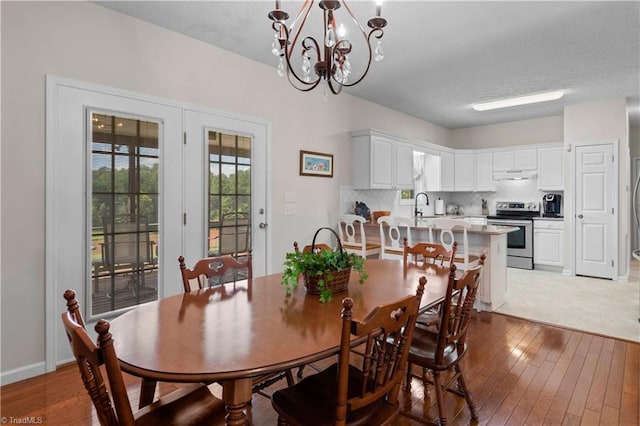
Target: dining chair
(443, 350)
(127, 250)
(391, 238)
(235, 234)
(212, 271)
(352, 235)
(362, 387)
(427, 253)
(464, 259)
(190, 405)
(316, 248)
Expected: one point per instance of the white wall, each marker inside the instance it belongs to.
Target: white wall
(524, 132)
(87, 42)
(604, 121)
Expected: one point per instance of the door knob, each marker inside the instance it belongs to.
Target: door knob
(580, 216)
(262, 225)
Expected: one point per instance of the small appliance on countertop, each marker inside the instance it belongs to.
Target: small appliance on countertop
(551, 205)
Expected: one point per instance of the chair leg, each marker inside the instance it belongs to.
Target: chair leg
(407, 384)
(442, 413)
(290, 380)
(462, 383)
(425, 383)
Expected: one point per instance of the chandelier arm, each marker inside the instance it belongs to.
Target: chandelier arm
(366, 71)
(299, 29)
(294, 82)
(330, 83)
(291, 71)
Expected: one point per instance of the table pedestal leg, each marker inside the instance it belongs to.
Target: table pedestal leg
(147, 391)
(236, 394)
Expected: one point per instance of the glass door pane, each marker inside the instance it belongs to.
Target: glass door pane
(229, 193)
(124, 212)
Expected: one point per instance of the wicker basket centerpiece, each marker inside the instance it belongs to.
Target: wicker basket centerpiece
(325, 271)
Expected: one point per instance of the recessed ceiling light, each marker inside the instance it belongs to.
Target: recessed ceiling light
(521, 100)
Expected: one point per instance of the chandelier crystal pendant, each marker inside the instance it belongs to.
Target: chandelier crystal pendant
(328, 61)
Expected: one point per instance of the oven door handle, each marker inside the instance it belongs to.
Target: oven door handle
(501, 222)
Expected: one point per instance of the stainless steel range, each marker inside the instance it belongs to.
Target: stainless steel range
(519, 243)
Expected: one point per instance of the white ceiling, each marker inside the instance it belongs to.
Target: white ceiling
(440, 57)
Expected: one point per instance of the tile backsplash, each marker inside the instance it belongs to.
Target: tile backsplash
(470, 202)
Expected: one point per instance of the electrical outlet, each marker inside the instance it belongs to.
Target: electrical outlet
(289, 197)
(289, 209)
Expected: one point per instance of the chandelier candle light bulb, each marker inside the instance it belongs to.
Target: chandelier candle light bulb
(326, 62)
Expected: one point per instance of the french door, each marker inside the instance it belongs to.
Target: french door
(128, 192)
(230, 218)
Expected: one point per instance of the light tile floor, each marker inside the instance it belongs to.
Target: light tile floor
(609, 308)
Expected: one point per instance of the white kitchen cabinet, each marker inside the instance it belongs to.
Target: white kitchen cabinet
(379, 162)
(432, 175)
(484, 172)
(548, 242)
(515, 159)
(464, 171)
(550, 168)
(447, 167)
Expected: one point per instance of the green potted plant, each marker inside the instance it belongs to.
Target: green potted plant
(325, 271)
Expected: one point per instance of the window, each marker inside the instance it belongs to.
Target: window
(123, 212)
(229, 193)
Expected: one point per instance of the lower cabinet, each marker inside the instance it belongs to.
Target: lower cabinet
(548, 242)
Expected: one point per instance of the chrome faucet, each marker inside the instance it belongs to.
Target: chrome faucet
(415, 203)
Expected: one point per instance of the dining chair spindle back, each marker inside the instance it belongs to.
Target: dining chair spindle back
(224, 268)
(362, 387)
(441, 351)
(190, 405)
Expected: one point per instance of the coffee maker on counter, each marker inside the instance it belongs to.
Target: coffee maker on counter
(551, 204)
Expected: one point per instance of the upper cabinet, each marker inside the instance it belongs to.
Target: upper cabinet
(447, 168)
(550, 168)
(464, 171)
(379, 162)
(515, 159)
(484, 172)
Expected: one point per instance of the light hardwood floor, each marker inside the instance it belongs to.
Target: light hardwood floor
(520, 373)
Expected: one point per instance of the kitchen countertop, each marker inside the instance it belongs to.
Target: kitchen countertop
(475, 229)
(556, 219)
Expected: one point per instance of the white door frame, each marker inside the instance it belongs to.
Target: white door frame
(57, 277)
(570, 215)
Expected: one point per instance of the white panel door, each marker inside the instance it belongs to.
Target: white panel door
(199, 127)
(595, 239)
(68, 228)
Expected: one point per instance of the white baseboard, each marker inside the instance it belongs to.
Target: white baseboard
(22, 373)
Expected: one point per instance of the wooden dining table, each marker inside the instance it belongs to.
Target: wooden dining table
(233, 333)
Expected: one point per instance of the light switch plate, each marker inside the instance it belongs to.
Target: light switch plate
(289, 197)
(289, 209)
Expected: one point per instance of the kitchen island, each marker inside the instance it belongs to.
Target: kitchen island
(488, 239)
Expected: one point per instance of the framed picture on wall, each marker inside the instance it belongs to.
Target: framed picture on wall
(316, 164)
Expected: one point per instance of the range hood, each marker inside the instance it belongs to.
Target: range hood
(515, 175)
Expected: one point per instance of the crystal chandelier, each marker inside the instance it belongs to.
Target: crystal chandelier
(326, 62)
